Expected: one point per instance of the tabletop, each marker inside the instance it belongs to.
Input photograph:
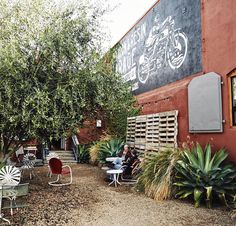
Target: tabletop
(112, 159)
(114, 171)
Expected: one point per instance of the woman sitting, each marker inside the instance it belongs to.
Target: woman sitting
(124, 157)
(130, 163)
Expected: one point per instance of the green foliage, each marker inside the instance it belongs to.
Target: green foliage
(158, 173)
(95, 147)
(202, 175)
(52, 75)
(83, 154)
(110, 148)
(93, 152)
(120, 105)
(117, 120)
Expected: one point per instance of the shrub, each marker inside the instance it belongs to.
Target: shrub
(158, 173)
(83, 154)
(93, 152)
(95, 147)
(203, 176)
(110, 148)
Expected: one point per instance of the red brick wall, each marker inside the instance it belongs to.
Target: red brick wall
(90, 132)
(218, 55)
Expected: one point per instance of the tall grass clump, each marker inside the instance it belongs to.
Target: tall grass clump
(95, 148)
(158, 174)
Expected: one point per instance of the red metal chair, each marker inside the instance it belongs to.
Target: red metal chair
(58, 169)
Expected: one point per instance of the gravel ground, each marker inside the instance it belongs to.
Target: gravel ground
(89, 201)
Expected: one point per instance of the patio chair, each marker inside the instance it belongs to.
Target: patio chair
(57, 168)
(9, 178)
(28, 164)
(48, 157)
(132, 178)
(11, 195)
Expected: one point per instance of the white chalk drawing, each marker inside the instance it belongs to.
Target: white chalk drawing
(164, 45)
(125, 58)
(131, 75)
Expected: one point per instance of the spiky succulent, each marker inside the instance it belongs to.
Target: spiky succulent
(110, 149)
(205, 176)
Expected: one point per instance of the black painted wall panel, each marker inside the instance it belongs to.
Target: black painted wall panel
(165, 46)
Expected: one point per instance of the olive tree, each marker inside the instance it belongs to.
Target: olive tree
(52, 76)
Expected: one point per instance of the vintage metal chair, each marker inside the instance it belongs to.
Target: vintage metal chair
(9, 178)
(57, 168)
(135, 170)
(28, 164)
(48, 157)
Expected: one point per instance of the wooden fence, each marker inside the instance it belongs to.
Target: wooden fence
(150, 133)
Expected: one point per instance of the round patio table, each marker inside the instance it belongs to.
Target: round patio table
(115, 177)
(112, 159)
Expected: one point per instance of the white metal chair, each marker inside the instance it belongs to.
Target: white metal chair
(9, 178)
(28, 163)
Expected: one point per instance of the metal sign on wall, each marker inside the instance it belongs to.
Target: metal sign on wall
(165, 46)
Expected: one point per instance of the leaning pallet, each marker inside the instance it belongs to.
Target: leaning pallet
(150, 133)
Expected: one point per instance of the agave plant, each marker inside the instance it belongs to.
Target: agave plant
(158, 173)
(204, 176)
(110, 149)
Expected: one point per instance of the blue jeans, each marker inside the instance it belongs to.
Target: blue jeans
(117, 163)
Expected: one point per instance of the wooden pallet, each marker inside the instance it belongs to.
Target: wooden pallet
(130, 137)
(148, 133)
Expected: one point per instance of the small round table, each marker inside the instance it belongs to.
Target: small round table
(112, 159)
(115, 174)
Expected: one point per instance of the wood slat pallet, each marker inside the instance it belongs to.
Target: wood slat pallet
(130, 130)
(148, 133)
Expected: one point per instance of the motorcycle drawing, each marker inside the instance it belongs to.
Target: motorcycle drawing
(165, 45)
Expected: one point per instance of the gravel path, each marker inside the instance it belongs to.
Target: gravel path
(89, 201)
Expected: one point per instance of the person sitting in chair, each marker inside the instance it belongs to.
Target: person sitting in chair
(124, 157)
(130, 162)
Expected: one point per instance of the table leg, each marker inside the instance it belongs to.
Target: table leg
(118, 179)
(115, 179)
(112, 180)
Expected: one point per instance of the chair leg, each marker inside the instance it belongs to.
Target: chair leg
(22, 173)
(49, 172)
(53, 182)
(71, 177)
(4, 219)
(11, 207)
(127, 181)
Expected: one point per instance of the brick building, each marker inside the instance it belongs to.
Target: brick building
(181, 56)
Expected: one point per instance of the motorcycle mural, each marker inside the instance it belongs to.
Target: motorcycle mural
(165, 45)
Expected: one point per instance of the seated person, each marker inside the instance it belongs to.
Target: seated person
(124, 157)
(130, 163)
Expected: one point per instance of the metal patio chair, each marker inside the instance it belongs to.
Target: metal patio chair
(48, 157)
(57, 168)
(28, 163)
(132, 178)
(9, 178)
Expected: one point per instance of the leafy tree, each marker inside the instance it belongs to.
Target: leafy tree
(121, 104)
(52, 75)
